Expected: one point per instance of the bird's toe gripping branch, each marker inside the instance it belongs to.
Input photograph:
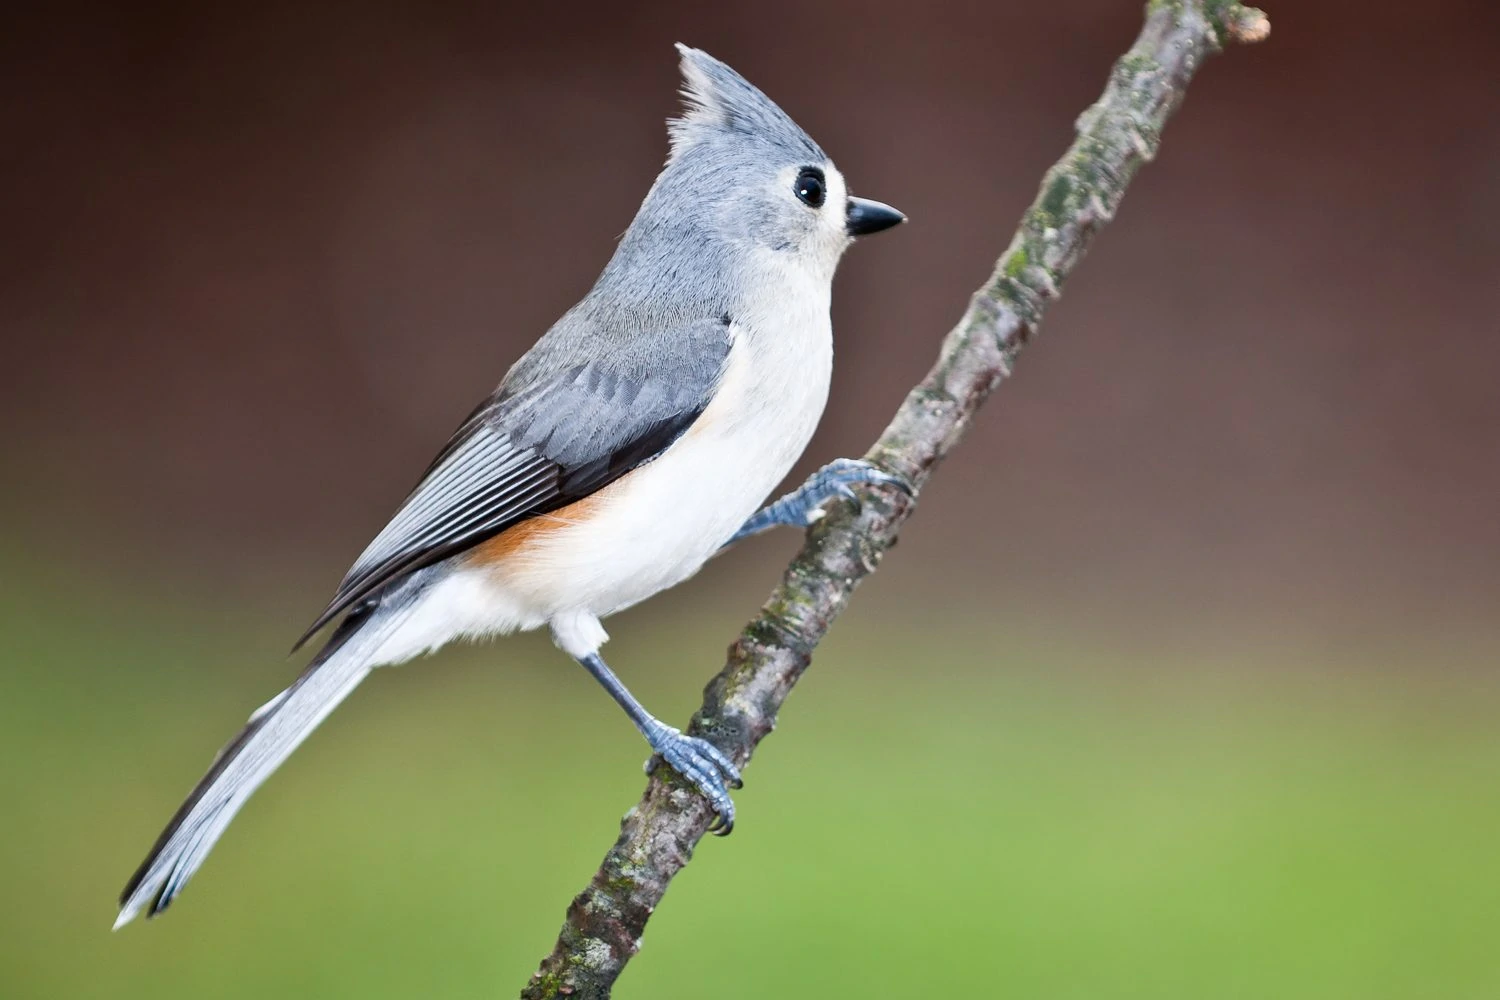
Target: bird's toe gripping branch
(804, 505)
(706, 768)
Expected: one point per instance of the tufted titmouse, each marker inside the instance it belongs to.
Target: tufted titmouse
(635, 440)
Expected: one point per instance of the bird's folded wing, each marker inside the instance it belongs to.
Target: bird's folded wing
(552, 434)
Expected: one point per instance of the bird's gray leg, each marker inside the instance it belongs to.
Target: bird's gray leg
(802, 506)
(705, 766)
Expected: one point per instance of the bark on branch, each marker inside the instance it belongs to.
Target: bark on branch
(1078, 196)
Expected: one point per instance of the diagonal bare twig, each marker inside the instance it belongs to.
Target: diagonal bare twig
(1078, 196)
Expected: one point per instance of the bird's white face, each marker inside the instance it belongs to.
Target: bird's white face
(805, 211)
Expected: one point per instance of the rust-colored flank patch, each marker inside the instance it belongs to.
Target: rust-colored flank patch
(513, 541)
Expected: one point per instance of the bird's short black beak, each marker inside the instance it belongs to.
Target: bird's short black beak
(866, 217)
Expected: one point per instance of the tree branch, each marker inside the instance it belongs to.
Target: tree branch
(1078, 196)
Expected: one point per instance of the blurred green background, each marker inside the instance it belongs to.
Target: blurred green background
(976, 805)
(1182, 682)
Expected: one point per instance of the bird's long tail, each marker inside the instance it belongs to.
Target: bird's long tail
(273, 732)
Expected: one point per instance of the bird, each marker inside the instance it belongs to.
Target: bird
(637, 438)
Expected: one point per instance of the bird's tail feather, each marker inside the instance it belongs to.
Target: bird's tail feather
(273, 732)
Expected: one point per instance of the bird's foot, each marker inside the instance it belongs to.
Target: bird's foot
(836, 481)
(804, 505)
(706, 768)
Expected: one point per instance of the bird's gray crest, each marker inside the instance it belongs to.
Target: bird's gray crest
(721, 102)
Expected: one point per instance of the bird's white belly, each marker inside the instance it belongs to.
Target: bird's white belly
(658, 525)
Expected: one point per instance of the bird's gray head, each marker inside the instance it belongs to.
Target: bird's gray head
(742, 177)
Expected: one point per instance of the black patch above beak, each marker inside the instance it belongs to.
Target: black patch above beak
(866, 217)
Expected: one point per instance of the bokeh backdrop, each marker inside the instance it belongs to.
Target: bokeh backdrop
(1182, 681)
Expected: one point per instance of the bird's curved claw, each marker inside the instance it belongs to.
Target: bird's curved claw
(704, 766)
(838, 478)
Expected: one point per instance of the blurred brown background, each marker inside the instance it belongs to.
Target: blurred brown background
(1181, 683)
(261, 258)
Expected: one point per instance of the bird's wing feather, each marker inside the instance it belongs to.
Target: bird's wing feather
(552, 434)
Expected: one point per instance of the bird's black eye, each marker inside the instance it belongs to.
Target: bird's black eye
(810, 187)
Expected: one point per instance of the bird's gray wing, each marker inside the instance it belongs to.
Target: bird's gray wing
(564, 424)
